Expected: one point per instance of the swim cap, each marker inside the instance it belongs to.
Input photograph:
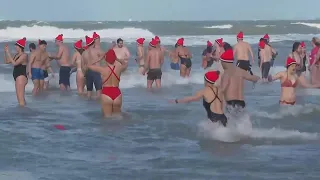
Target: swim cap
(95, 36)
(110, 56)
(209, 44)
(212, 76)
(290, 61)
(153, 43)
(240, 35)
(180, 42)
(219, 41)
(78, 44)
(262, 44)
(59, 38)
(22, 42)
(227, 56)
(89, 41)
(302, 44)
(140, 41)
(266, 36)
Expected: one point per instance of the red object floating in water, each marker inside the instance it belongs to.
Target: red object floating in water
(59, 126)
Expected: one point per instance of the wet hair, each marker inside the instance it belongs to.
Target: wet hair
(226, 46)
(209, 49)
(316, 41)
(42, 42)
(32, 46)
(176, 45)
(80, 50)
(295, 46)
(119, 40)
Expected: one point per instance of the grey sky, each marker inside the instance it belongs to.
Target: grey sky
(118, 10)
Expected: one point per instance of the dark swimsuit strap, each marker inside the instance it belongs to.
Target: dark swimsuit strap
(216, 95)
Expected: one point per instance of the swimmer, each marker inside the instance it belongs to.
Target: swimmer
(153, 63)
(241, 52)
(289, 81)
(62, 57)
(296, 55)
(45, 67)
(208, 56)
(122, 51)
(97, 46)
(162, 48)
(266, 39)
(140, 55)
(37, 59)
(77, 61)
(19, 62)
(314, 61)
(175, 60)
(265, 58)
(212, 95)
(185, 58)
(232, 81)
(111, 98)
(303, 58)
(89, 57)
(218, 43)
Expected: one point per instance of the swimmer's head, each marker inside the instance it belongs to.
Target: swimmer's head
(296, 47)
(211, 77)
(315, 41)
(32, 47)
(120, 43)
(227, 58)
(157, 39)
(180, 42)
(219, 42)
(226, 46)
(96, 37)
(78, 46)
(42, 44)
(21, 44)
(240, 36)
(89, 41)
(291, 65)
(153, 43)
(59, 39)
(110, 56)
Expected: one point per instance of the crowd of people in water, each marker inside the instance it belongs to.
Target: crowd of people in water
(224, 85)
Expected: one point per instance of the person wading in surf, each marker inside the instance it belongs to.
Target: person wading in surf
(289, 81)
(208, 56)
(77, 61)
(241, 52)
(153, 63)
(111, 98)
(185, 58)
(122, 51)
(314, 61)
(89, 57)
(62, 57)
(140, 54)
(232, 81)
(265, 58)
(213, 101)
(19, 62)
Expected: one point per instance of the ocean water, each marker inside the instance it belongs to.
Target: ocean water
(155, 139)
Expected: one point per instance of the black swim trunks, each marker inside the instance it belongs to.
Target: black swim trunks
(64, 75)
(19, 70)
(186, 61)
(93, 78)
(245, 65)
(154, 74)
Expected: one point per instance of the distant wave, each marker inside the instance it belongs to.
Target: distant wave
(314, 25)
(263, 26)
(225, 26)
(130, 34)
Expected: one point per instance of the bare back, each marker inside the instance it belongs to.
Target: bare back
(111, 75)
(242, 50)
(267, 54)
(39, 59)
(140, 55)
(154, 58)
(209, 95)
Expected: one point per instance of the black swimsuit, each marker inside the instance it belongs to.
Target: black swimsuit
(185, 61)
(19, 70)
(214, 117)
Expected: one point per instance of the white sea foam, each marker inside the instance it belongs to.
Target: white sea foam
(225, 26)
(129, 34)
(263, 26)
(314, 25)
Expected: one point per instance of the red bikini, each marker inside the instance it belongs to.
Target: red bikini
(112, 92)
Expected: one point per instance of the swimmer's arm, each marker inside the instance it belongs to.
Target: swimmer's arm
(147, 62)
(127, 54)
(22, 58)
(9, 58)
(140, 54)
(251, 53)
(196, 97)
(74, 58)
(32, 57)
(48, 66)
(96, 68)
(303, 83)
(247, 76)
(274, 51)
(317, 57)
(276, 77)
(261, 54)
(58, 55)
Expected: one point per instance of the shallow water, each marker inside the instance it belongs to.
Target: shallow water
(155, 139)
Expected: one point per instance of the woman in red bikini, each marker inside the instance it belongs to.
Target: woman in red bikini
(111, 98)
(289, 81)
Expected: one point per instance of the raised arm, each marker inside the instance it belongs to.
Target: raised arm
(196, 97)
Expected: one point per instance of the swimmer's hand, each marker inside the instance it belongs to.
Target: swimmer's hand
(6, 48)
(269, 78)
(173, 101)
